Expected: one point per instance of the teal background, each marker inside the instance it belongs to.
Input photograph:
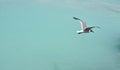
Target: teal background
(41, 35)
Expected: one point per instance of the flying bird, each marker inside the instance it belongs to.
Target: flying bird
(84, 27)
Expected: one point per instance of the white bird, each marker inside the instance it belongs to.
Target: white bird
(84, 27)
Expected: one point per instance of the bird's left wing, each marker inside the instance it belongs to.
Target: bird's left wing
(83, 24)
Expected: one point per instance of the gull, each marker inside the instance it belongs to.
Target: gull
(84, 27)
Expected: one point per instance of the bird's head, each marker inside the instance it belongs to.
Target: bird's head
(91, 31)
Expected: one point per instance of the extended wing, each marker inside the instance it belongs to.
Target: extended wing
(83, 24)
(89, 28)
(93, 27)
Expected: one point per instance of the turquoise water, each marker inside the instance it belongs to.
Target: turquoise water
(41, 35)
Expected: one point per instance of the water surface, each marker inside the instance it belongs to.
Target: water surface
(41, 35)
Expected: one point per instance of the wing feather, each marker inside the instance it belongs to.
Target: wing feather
(83, 24)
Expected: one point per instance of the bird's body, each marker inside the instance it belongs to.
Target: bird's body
(84, 27)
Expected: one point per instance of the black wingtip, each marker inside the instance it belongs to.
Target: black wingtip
(98, 27)
(76, 18)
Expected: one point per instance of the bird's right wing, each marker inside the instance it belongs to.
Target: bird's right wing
(83, 24)
(94, 27)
